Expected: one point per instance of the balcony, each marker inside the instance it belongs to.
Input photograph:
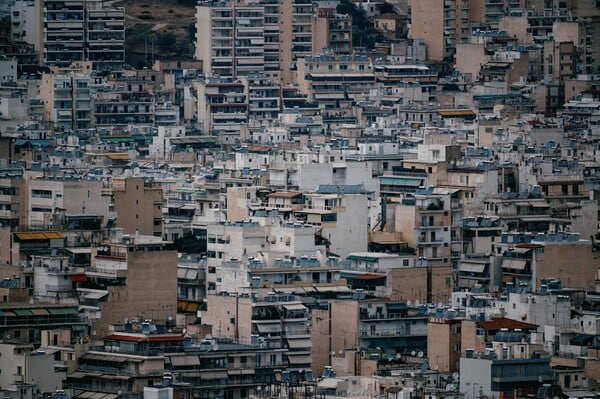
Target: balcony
(434, 225)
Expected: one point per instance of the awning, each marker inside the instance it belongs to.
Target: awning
(470, 267)
(187, 273)
(401, 181)
(268, 328)
(105, 358)
(299, 359)
(184, 306)
(62, 310)
(333, 288)
(118, 157)
(39, 311)
(95, 295)
(80, 250)
(23, 312)
(539, 204)
(213, 375)
(456, 112)
(328, 383)
(47, 235)
(299, 343)
(521, 250)
(79, 327)
(294, 306)
(466, 283)
(514, 264)
(185, 361)
(77, 278)
(241, 372)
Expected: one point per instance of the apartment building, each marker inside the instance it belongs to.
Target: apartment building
(25, 18)
(53, 279)
(230, 39)
(267, 36)
(249, 253)
(223, 108)
(444, 343)
(332, 31)
(295, 37)
(48, 198)
(13, 198)
(21, 363)
(510, 365)
(426, 223)
(441, 25)
(23, 323)
(112, 107)
(67, 98)
(83, 31)
(277, 321)
(264, 98)
(105, 37)
(133, 199)
(140, 274)
(364, 326)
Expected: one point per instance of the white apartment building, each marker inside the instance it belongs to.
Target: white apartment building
(230, 39)
(267, 36)
(47, 198)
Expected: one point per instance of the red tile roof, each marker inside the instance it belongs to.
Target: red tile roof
(503, 322)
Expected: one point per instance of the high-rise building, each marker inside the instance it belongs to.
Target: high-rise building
(440, 24)
(231, 39)
(81, 30)
(266, 36)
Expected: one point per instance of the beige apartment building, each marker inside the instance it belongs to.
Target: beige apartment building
(268, 36)
(140, 275)
(362, 325)
(424, 284)
(137, 203)
(441, 24)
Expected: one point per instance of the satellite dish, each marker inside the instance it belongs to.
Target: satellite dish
(455, 376)
(413, 353)
(184, 331)
(420, 354)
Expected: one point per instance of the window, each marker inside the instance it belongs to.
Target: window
(41, 193)
(405, 263)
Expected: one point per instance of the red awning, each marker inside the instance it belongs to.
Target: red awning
(77, 278)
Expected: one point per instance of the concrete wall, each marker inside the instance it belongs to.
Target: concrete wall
(427, 23)
(137, 206)
(444, 344)
(408, 283)
(320, 338)
(150, 293)
(470, 57)
(469, 337)
(222, 310)
(475, 377)
(574, 264)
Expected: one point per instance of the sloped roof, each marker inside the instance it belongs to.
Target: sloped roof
(503, 322)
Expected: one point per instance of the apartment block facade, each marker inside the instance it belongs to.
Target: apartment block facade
(83, 31)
